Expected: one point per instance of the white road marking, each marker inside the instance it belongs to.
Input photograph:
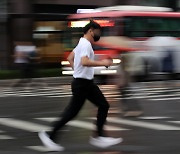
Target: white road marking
(164, 99)
(147, 89)
(60, 96)
(85, 125)
(154, 96)
(38, 148)
(175, 122)
(153, 118)
(143, 124)
(6, 137)
(110, 91)
(23, 125)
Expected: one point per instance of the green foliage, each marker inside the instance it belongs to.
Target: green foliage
(14, 74)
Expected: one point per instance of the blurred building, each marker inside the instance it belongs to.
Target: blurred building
(43, 21)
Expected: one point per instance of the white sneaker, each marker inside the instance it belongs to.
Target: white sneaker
(44, 137)
(104, 142)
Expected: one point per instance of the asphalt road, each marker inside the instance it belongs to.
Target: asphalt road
(26, 110)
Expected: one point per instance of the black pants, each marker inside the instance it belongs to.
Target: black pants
(83, 89)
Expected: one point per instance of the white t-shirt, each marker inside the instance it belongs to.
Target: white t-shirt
(83, 48)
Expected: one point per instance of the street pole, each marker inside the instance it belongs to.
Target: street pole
(3, 35)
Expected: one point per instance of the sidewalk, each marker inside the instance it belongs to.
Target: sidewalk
(50, 81)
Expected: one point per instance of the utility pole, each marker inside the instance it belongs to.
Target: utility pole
(20, 24)
(3, 34)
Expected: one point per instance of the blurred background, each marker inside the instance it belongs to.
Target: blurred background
(49, 26)
(142, 86)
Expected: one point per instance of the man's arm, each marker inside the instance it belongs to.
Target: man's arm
(85, 61)
(71, 59)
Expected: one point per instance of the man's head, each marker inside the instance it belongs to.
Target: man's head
(93, 30)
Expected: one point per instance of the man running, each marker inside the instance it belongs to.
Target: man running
(82, 61)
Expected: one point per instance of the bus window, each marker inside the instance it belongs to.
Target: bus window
(151, 26)
(133, 27)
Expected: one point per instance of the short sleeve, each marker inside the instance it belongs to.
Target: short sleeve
(85, 51)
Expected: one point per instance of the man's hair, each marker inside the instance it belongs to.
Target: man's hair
(92, 24)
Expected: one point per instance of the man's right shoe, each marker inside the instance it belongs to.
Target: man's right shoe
(104, 142)
(44, 137)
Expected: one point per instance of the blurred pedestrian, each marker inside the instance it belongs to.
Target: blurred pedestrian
(24, 61)
(168, 63)
(130, 107)
(82, 61)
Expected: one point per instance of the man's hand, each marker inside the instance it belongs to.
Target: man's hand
(107, 62)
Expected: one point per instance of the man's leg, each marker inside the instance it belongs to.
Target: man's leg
(99, 100)
(70, 112)
(96, 97)
(76, 103)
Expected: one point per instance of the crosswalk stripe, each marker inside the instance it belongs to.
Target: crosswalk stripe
(61, 96)
(153, 118)
(156, 97)
(48, 95)
(23, 125)
(109, 96)
(31, 94)
(147, 89)
(38, 148)
(110, 92)
(169, 90)
(6, 137)
(34, 127)
(148, 125)
(175, 122)
(154, 94)
(164, 99)
(91, 126)
(54, 88)
(82, 124)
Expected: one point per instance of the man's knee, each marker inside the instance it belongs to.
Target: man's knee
(105, 106)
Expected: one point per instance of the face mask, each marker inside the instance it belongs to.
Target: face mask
(96, 37)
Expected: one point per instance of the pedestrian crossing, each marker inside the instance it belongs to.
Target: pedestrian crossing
(114, 124)
(110, 91)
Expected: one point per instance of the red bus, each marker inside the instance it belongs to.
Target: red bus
(125, 31)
